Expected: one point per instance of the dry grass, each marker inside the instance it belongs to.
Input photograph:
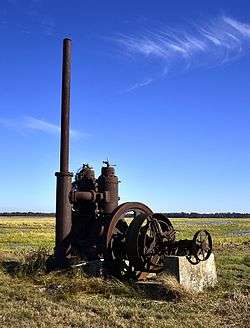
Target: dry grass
(32, 298)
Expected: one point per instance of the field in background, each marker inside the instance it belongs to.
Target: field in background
(72, 300)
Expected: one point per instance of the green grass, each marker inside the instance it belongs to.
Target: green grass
(31, 298)
(20, 234)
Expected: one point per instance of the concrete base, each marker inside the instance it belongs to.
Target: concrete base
(192, 277)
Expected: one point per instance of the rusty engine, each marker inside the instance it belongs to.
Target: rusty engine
(130, 237)
(91, 225)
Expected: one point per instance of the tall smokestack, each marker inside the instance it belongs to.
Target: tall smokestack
(63, 206)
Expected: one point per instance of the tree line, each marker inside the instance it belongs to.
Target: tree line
(170, 215)
(208, 215)
(39, 214)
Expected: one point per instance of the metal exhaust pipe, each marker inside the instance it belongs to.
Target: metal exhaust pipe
(64, 177)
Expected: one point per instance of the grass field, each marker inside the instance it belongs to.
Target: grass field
(31, 298)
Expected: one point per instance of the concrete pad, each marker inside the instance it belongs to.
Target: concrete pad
(193, 277)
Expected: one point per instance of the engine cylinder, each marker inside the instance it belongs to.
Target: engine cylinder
(85, 179)
(108, 185)
(84, 223)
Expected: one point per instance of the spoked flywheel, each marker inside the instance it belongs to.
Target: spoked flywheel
(147, 241)
(201, 247)
(116, 246)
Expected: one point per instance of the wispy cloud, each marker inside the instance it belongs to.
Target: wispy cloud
(138, 85)
(35, 18)
(30, 123)
(212, 43)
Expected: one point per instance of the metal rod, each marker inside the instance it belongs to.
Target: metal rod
(63, 206)
(66, 75)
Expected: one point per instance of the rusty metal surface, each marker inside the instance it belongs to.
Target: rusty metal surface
(201, 247)
(91, 225)
(121, 211)
(151, 238)
(82, 196)
(84, 218)
(65, 106)
(116, 252)
(63, 217)
(108, 184)
(141, 242)
(63, 206)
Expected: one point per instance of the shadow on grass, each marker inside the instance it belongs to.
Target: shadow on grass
(67, 283)
(29, 265)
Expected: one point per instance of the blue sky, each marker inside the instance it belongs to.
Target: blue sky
(162, 88)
